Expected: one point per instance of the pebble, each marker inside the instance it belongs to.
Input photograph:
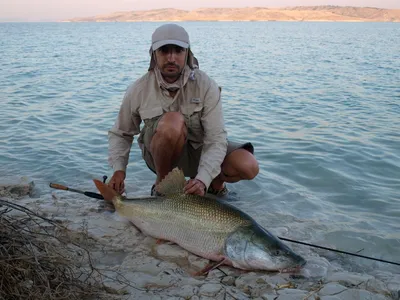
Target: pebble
(253, 284)
(210, 289)
(185, 291)
(349, 279)
(332, 289)
(17, 190)
(351, 294)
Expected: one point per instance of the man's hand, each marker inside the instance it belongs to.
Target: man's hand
(195, 186)
(117, 181)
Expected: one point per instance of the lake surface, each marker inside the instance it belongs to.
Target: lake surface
(319, 101)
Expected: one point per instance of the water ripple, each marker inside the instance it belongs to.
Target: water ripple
(319, 101)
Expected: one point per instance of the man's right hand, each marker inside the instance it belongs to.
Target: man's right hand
(117, 182)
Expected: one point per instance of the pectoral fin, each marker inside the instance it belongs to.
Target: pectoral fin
(107, 192)
(210, 267)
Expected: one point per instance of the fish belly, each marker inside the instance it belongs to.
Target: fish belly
(200, 229)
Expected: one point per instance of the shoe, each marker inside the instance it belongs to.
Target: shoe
(218, 193)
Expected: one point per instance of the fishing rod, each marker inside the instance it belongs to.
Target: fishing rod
(89, 194)
(98, 196)
(340, 251)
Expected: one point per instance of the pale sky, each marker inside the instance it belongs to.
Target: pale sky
(55, 10)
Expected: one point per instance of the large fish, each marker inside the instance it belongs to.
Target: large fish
(204, 226)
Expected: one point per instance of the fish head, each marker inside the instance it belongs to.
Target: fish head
(254, 248)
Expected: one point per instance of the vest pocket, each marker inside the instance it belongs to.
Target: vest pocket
(192, 115)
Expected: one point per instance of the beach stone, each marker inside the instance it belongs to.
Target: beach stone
(357, 294)
(383, 275)
(149, 265)
(210, 289)
(228, 280)
(17, 190)
(331, 289)
(275, 280)
(376, 286)
(230, 271)
(144, 296)
(253, 284)
(269, 296)
(185, 291)
(197, 262)
(233, 293)
(316, 267)
(163, 280)
(393, 286)
(215, 275)
(330, 298)
(350, 279)
(291, 294)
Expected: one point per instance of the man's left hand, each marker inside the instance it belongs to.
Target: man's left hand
(195, 186)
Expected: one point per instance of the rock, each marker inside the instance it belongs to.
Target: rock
(350, 279)
(215, 275)
(291, 294)
(330, 298)
(253, 284)
(210, 289)
(376, 286)
(150, 265)
(232, 293)
(393, 286)
(228, 280)
(316, 267)
(163, 280)
(197, 262)
(331, 289)
(186, 291)
(276, 280)
(17, 190)
(269, 296)
(356, 294)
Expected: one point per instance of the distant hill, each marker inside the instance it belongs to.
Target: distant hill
(297, 13)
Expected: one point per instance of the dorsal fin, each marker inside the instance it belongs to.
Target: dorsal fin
(173, 183)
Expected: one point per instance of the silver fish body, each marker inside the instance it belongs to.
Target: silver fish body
(207, 227)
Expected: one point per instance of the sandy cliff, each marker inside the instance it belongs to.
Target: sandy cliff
(298, 13)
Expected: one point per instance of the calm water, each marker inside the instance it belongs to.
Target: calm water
(319, 101)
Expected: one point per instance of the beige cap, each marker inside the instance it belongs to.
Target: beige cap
(170, 34)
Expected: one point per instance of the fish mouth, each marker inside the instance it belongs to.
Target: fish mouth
(294, 269)
(291, 270)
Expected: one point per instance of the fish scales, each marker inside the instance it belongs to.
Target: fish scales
(199, 225)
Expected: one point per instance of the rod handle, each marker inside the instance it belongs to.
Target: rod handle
(58, 186)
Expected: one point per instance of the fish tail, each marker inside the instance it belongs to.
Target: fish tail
(108, 193)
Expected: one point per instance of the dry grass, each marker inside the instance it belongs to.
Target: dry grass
(41, 259)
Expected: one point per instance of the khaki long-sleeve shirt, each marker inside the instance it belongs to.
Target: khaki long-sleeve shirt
(200, 104)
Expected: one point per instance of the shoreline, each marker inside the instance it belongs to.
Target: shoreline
(150, 270)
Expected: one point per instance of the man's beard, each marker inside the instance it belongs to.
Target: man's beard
(171, 74)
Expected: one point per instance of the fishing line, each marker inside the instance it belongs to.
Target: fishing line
(340, 251)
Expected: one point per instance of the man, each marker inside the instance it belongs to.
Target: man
(181, 109)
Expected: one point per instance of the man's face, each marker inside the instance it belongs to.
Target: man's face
(171, 61)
